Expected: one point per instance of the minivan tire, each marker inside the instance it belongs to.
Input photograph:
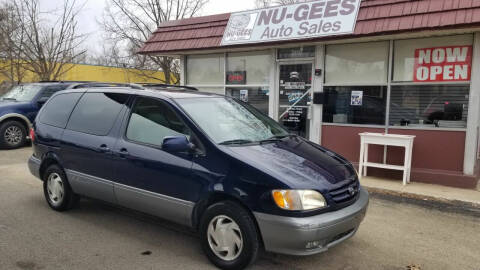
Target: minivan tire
(54, 179)
(235, 215)
(13, 134)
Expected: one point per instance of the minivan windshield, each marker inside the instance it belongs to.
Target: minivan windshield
(22, 93)
(229, 122)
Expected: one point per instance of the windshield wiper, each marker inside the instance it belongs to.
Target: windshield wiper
(239, 141)
(12, 99)
(275, 138)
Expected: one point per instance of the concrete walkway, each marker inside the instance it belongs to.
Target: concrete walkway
(422, 191)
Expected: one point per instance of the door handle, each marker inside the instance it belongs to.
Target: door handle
(123, 153)
(104, 148)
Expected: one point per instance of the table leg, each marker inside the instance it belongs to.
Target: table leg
(366, 159)
(360, 162)
(410, 153)
(405, 166)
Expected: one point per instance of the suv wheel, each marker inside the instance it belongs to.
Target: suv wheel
(57, 190)
(12, 135)
(229, 236)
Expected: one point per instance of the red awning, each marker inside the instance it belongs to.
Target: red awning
(375, 17)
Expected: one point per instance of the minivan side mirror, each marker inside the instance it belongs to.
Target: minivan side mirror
(177, 144)
(41, 101)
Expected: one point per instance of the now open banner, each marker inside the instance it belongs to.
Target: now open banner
(297, 21)
(443, 64)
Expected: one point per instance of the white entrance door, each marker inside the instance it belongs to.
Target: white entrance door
(294, 96)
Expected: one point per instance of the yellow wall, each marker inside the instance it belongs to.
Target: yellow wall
(100, 74)
(108, 74)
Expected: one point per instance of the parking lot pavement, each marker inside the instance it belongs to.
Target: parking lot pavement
(394, 235)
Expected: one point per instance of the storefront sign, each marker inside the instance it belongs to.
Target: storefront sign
(236, 77)
(297, 21)
(294, 115)
(294, 97)
(295, 85)
(441, 64)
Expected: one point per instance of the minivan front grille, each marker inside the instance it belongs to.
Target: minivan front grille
(346, 192)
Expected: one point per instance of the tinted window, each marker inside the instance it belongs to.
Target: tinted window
(96, 113)
(50, 90)
(152, 120)
(429, 106)
(355, 105)
(58, 109)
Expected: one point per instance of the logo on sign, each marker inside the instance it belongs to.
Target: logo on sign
(240, 27)
(304, 20)
(441, 64)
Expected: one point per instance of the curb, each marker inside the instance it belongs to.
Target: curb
(442, 204)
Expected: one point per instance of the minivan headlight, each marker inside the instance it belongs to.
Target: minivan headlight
(295, 200)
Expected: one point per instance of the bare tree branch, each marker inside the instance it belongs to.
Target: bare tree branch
(269, 3)
(46, 49)
(131, 22)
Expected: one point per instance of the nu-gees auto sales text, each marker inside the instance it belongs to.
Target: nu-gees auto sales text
(303, 13)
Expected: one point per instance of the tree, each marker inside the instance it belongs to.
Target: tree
(129, 24)
(11, 37)
(269, 3)
(46, 49)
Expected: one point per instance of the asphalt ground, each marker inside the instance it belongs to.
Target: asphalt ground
(397, 233)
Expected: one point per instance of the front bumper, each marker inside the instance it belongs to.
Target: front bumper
(311, 235)
(34, 166)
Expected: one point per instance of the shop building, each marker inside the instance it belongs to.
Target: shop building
(331, 69)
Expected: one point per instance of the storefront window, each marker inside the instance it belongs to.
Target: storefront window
(255, 96)
(213, 90)
(294, 53)
(251, 68)
(357, 63)
(206, 69)
(444, 51)
(355, 105)
(429, 106)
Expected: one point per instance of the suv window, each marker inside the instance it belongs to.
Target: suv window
(52, 89)
(96, 113)
(153, 120)
(58, 109)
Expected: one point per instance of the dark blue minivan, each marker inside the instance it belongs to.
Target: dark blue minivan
(206, 161)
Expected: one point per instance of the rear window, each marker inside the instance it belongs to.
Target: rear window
(52, 89)
(58, 109)
(96, 113)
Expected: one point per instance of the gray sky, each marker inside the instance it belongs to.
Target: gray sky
(93, 10)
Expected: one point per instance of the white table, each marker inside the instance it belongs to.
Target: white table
(405, 141)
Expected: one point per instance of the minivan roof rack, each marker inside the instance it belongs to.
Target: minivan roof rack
(53, 81)
(105, 84)
(167, 86)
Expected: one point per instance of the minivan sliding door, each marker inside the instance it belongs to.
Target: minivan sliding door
(87, 141)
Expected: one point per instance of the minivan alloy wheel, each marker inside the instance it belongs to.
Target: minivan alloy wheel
(225, 238)
(13, 135)
(55, 188)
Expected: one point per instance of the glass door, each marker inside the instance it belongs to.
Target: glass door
(295, 96)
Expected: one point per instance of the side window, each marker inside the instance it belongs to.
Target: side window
(50, 90)
(57, 111)
(96, 113)
(153, 120)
